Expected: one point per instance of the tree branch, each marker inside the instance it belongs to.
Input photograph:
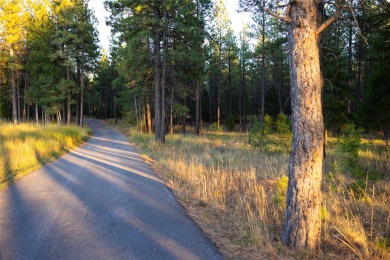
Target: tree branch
(287, 19)
(328, 22)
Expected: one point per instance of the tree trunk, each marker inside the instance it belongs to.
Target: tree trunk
(13, 92)
(302, 223)
(219, 83)
(36, 114)
(25, 105)
(69, 99)
(197, 123)
(82, 99)
(262, 72)
(163, 79)
(149, 115)
(156, 68)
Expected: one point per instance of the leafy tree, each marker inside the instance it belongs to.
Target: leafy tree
(13, 17)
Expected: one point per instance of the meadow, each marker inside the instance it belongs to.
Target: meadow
(236, 192)
(26, 147)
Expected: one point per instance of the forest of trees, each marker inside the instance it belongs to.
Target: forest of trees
(51, 69)
(179, 63)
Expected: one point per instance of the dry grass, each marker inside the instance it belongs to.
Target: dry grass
(236, 194)
(26, 147)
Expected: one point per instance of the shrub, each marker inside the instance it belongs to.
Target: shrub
(256, 138)
(283, 124)
(349, 145)
(230, 123)
(268, 124)
(214, 127)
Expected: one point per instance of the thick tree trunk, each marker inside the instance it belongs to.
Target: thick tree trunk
(302, 223)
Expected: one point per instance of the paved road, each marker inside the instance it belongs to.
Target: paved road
(100, 201)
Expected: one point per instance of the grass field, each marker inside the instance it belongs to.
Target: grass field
(26, 147)
(236, 193)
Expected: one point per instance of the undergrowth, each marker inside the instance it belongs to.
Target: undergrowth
(236, 193)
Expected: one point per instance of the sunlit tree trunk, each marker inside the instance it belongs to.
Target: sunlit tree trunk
(302, 223)
(197, 123)
(149, 115)
(36, 114)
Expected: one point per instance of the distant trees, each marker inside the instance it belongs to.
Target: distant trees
(47, 48)
(166, 37)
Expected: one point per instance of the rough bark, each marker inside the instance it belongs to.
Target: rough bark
(302, 223)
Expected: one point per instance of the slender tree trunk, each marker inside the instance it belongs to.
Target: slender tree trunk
(36, 114)
(302, 223)
(149, 115)
(43, 115)
(197, 123)
(244, 94)
(163, 79)
(263, 72)
(156, 68)
(82, 99)
(210, 100)
(219, 83)
(350, 71)
(13, 92)
(24, 98)
(18, 95)
(230, 87)
(69, 99)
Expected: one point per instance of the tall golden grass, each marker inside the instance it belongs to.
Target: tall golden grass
(237, 195)
(26, 147)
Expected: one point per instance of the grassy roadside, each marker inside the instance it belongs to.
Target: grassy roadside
(26, 147)
(236, 194)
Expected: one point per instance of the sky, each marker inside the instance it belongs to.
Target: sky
(104, 31)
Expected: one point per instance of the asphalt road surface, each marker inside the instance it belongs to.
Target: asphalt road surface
(100, 201)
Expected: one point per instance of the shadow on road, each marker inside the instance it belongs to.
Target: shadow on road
(100, 201)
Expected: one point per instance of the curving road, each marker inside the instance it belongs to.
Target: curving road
(100, 201)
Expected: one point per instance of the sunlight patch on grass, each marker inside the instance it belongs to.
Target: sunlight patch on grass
(236, 194)
(25, 147)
